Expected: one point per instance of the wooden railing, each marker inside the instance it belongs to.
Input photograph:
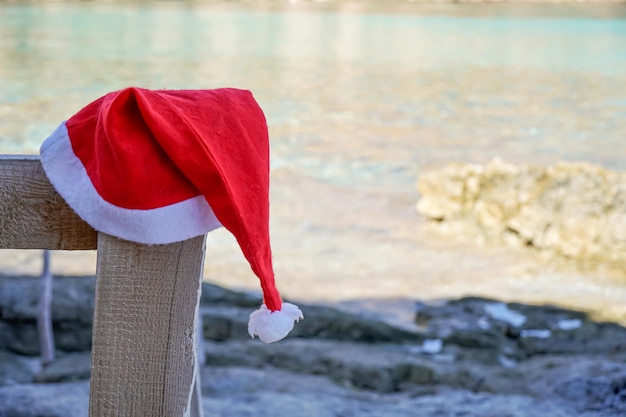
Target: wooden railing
(144, 355)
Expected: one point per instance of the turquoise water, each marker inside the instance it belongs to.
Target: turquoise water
(360, 101)
(353, 96)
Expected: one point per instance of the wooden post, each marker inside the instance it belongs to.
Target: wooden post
(32, 214)
(144, 348)
(44, 313)
(144, 359)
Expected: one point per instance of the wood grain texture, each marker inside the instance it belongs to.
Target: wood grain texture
(32, 214)
(144, 347)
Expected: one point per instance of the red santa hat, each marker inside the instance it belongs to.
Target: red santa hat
(157, 167)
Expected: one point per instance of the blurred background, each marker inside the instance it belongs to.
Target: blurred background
(421, 154)
(362, 99)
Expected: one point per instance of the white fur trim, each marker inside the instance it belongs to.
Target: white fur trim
(271, 326)
(180, 221)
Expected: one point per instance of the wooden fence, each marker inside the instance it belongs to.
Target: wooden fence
(144, 358)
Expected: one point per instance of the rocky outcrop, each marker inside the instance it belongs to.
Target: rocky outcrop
(473, 356)
(570, 210)
(225, 317)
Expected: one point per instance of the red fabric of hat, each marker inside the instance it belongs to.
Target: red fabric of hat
(158, 167)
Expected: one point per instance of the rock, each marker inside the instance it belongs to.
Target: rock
(282, 395)
(225, 316)
(221, 322)
(570, 210)
(453, 403)
(330, 323)
(595, 393)
(15, 369)
(19, 336)
(235, 391)
(377, 367)
(224, 381)
(591, 383)
(71, 367)
(472, 356)
(73, 297)
(72, 311)
(215, 295)
(466, 323)
(45, 400)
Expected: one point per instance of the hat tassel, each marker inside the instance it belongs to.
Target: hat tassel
(272, 326)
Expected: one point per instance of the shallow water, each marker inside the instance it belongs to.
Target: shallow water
(359, 100)
(378, 94)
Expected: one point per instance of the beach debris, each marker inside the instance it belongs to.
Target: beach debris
(536, 333)
(432, 346)
(569, 324)
(501, 312)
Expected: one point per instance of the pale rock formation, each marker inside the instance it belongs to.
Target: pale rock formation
(571, 210)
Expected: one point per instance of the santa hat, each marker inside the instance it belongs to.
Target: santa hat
(157, 167)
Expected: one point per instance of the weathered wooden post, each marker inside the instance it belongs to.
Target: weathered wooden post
(144, 335)
(44, 312)
(144, 331)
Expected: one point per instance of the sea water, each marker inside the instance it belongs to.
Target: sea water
(350, 93)
(360, 100)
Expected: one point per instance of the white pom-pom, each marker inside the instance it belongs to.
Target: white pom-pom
(272, 326)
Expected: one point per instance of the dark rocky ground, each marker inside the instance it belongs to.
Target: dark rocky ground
(466, 357)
